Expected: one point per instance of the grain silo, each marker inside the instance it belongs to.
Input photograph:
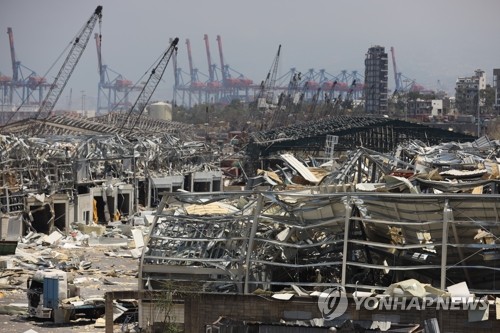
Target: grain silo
(160, 110)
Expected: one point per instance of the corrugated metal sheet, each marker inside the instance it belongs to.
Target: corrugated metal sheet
(301, 168)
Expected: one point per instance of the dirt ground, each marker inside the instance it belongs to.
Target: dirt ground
(107, 273)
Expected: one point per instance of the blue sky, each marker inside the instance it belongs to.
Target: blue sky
(434, 40)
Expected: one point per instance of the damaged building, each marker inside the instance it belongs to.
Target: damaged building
(426, 213)
(63, 170)
(397, 207)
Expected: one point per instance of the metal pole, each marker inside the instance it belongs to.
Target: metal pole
(444, 247)
(478, 113)
(255, 223)
(348, 209)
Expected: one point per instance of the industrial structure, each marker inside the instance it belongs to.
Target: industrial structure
(223, 83)
(378, 222)
(377, 133)
(25, 84)
(376, 81)
(113, 89)
(229, 86)
(292, 232)
(45, 106)
(360, 203)
(23, 92)
(402, 83)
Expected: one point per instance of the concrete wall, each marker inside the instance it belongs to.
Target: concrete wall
(63, 211)
(206, 309)
(117, 198)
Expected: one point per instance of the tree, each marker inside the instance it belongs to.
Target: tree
(166, 299)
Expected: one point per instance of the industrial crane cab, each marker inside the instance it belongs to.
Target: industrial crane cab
(311, 85)
(48, 293)
(214, 85)
(246, 82)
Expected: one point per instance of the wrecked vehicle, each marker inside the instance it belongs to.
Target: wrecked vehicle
(53, 295)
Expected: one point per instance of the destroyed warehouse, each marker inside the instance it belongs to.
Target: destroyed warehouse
(421, 208)
(364, 204)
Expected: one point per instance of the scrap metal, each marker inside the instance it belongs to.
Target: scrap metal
(383, 219)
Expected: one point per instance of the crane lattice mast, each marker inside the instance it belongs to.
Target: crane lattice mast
(79, 44)
(267, 87)
(150, 85)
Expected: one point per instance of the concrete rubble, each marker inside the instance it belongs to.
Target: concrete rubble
(82, 258)
(286, 235)
(294, 228)
(78, 201)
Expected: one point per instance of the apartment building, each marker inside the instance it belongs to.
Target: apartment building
(467, 91)
(376, 80)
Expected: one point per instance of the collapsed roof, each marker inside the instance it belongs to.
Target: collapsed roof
(424, 212)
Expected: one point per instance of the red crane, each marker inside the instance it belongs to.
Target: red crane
(31, 82)
(113, 94)
(212, 83)
(226, 76)
(15, 64)
(193, 72)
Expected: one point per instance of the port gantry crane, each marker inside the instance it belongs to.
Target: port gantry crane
(195, 84)
(75, 53)
(113, 88)
(149, 87)
(28, 83)
(402, 83)
(213, 83)
(15, 63)
(228, 83)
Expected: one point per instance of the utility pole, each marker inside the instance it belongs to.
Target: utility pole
(478, 112)
(83, 101)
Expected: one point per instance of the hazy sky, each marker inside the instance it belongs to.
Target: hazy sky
(434, 40)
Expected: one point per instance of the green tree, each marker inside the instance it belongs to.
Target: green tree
(165, 301)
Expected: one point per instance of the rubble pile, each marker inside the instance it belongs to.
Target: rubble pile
(91, 264)
(292, 231)
(46, 163)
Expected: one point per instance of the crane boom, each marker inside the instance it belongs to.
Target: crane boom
(270, 82)
(15, 75)
(150, 85)
(222, 65)
(209, 59)
(191, 70)
(396, 78)
(69, 64)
